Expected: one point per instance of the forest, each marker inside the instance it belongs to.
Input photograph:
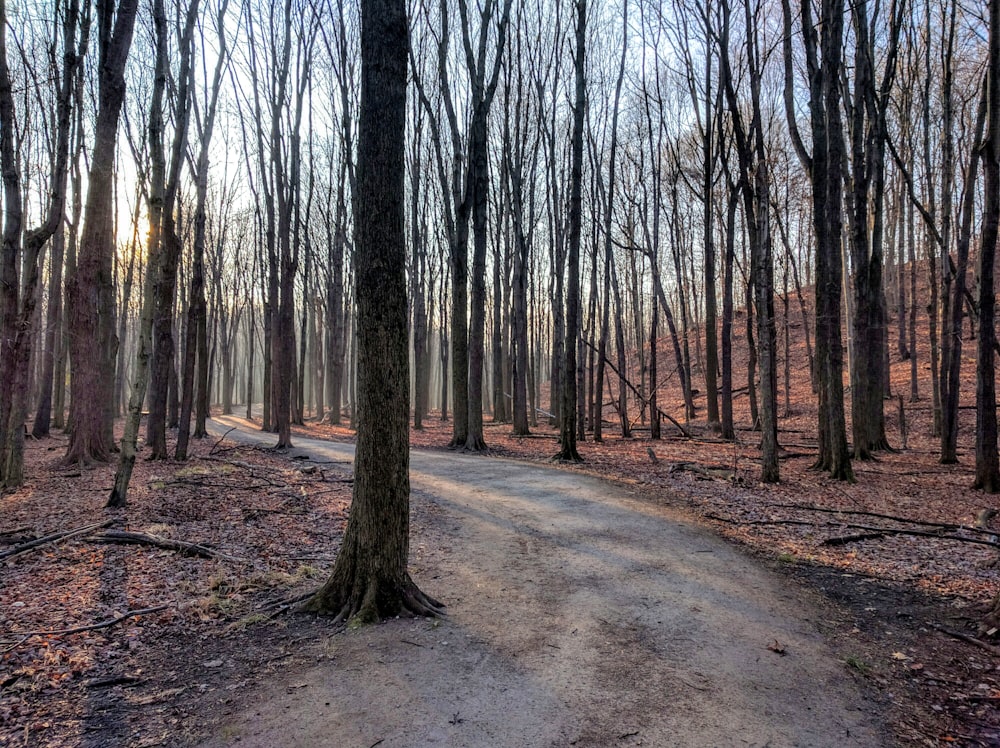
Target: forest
(735, 258)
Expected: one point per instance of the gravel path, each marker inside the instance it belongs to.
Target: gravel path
(578, 615)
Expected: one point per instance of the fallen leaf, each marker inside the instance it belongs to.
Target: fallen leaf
(777, 648)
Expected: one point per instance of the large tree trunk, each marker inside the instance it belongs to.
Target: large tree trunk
(824, 53)
(370, 580)
(90, 293)
(951, 364)
(728, 430)
(868, 130)
(987, 461)
(567, 422)
(479, 179)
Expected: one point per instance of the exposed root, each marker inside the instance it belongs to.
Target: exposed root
(474, 444)
(369, 601)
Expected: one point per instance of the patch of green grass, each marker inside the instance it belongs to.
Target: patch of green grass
(857, 664)
(786, 558)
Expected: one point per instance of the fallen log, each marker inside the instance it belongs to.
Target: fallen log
(55, 537)
(122, 537)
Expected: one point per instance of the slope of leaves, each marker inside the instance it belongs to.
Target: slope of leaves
(144, 679)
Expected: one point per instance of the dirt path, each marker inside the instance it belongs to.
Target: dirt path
(577, 616)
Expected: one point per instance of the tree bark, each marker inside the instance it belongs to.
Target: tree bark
(370, 579)
(987, 460)
(90, 293)
(567, 424)
(164, 248)
(824, 60)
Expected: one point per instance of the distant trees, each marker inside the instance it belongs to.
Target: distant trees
(693, 198)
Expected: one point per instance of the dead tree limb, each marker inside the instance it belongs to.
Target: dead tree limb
(221, 439)
(949, 527)
(55, 537)
(964, 637)
(94, 626)
(15, 531)
(923, 534)
(122, 537)
(869, 534)
(636, 392)
(732, 521)
(845, 539)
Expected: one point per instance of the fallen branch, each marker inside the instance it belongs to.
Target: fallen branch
(94, 626)
(114, 680)
(121, 537)
(221, 439)
(713, 472)
(922, 534)
(964, 637)
(286, 603)
(643, 400)
(870, 533)
(845, 539)
(55, 537)
(951, 527)
(762, 521)
(15, 645)
(15, 531)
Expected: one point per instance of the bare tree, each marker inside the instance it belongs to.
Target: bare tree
(164, 243)
(196, 340)
(369, 580)
(89, 286)
(20, 271)
(987, 461)
(567, 429)
(754, 186)
(824, 60)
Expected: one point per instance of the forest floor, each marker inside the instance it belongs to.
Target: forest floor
(900, 612)
(120, 645)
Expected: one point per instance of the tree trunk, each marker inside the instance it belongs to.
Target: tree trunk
(951, 365)
(90, 294)
(987, 461)
(824, 52)
(370, 580)
(165, 246)
(567, 428)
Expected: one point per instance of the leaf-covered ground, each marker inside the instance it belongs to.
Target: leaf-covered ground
(905, 600)
(145, 680)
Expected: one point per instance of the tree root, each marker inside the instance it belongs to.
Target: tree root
(421, 604)
(369, 601)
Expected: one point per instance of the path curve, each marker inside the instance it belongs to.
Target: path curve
(578, 615)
